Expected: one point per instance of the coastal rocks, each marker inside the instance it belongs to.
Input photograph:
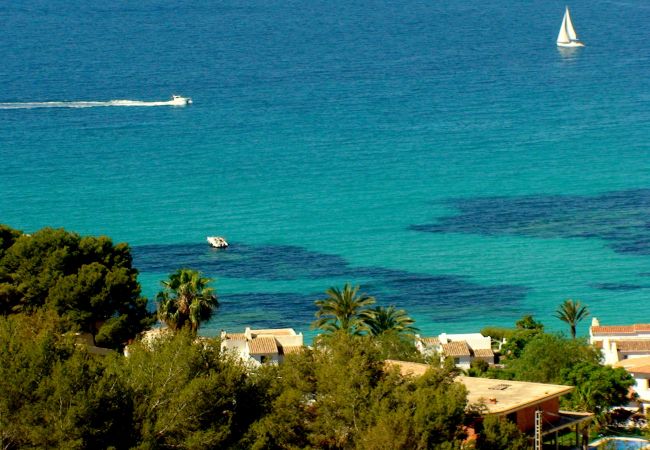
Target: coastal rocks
(217, 242)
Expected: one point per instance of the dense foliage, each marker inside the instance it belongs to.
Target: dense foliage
(177, 391)
(497, 433)
(55, 395)
(349, 312)
(532, 355)
(343, 310)
(186, 300)
(88, 281)
(338, 395)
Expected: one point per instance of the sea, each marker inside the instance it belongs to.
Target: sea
(446, 157)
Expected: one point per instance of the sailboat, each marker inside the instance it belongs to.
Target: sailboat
(567, 36)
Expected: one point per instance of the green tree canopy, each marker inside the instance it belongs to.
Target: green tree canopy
(597, 387)
(54, 394)
(323, 396)
(527, 322)
(416, 413)
(388, 320)
(342, 310)
(498, 433)
(546, 355)
(187, 395)
(87, 280)
(186, 300)
(7, 238)
(517, 342)
(572, 312)
(338, 395)
(172, 392)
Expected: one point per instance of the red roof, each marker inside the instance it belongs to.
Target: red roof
(483, 353)
(431, 341)
(459, 348)
(261, 346)
(622, 329)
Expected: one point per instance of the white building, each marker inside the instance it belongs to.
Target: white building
(626, 346)
(620, 342)
(464, 348)
(262, 346)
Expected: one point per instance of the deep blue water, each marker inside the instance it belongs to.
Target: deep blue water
(444, 155)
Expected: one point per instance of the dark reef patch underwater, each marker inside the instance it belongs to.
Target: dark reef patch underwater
(620, 218)
(442, 298)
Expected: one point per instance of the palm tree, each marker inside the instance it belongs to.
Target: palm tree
(342, 310)
(384, 320)
(186, 300)
(572, 312)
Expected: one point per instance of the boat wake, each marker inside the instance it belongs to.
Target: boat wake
(176, 101)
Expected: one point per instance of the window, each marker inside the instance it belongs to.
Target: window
(456, 360)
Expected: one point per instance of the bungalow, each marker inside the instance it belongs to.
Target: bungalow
(262, 346)
(620, 342)
(532, 406)
(463, 348)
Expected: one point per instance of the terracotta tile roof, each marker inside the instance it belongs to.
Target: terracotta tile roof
(635, 365)
(430, 341)
(263, 346)
(483, 352)
(290, 349)
(459, 348)
(622, 329)
(236, 336)
(633, 346)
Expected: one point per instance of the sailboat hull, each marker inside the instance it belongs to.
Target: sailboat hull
(571, 44)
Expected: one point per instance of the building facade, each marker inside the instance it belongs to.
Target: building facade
(619, 342)
(463, 348)
(262, 346)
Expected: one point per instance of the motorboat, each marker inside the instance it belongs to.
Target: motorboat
(217, 242)
(178, 100)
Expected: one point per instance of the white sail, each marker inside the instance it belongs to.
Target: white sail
(563, 37)
(567, 36)
(569, 26)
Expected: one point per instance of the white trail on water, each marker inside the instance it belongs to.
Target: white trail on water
(85, 104)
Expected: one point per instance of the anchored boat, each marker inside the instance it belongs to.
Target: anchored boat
(217, 242)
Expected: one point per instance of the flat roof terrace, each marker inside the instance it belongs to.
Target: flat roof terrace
(506, 396)
(499, 396)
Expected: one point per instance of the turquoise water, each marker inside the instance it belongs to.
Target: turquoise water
(620, 443)
(445, 156)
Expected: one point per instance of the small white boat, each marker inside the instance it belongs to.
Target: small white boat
(567, 36)
(217, 242)
(178, 100)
